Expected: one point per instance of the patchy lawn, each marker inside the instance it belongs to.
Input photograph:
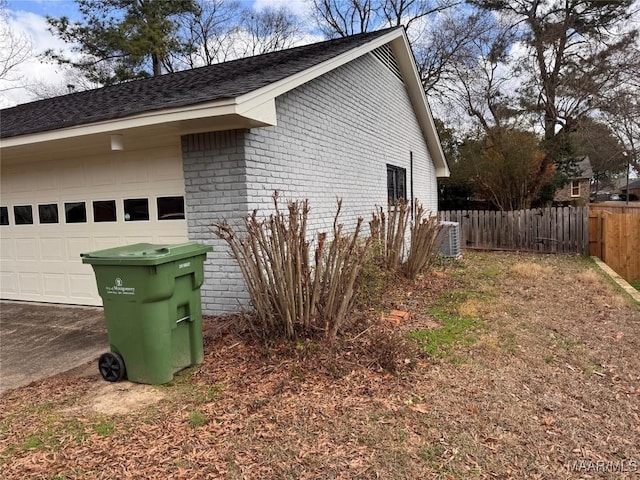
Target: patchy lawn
(509, 366)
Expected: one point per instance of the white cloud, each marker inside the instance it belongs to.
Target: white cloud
(34, 70)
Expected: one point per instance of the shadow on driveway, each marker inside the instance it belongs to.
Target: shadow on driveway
(38, 341)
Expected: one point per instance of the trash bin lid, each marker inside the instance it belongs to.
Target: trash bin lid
(144, 254)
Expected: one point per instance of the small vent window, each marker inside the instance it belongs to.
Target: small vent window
(388, 59)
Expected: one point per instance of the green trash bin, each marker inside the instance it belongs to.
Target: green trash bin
(152, 307)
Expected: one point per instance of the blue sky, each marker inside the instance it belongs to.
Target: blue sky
(45, 7)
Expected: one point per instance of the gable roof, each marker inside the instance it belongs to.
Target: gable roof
(240, 90)
(188, 87)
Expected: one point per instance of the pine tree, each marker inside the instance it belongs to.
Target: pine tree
(120, 40)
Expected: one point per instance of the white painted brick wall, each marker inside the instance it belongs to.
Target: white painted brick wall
(334, 138)
(215, 185)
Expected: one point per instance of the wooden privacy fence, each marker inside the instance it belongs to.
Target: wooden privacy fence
(615, 238)
(552, 230)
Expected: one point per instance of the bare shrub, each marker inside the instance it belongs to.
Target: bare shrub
(424, 242)
(293, 294)
(388, 233)
(373, 280)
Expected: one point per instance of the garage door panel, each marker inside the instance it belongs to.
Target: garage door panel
(133, 172)
(20, 181)
(102, 173)
(129, 239)
(76, 246)
(165, 169)
(102, 243)
(7, 248)
(8, 283)
(46, 181)
(26, 250)
(54, 285)
(73, 177)
(29, 283)
(52, 249)
(83, 285)
(171, 239)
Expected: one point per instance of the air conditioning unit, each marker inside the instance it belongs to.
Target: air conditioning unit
(449, 239)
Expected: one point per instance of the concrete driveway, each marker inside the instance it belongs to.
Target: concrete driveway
(38, 341)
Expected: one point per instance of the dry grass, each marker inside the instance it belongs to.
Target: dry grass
(531, 270)
(545, 373)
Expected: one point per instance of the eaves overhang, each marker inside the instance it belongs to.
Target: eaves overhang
(238, 113)
(256, 108)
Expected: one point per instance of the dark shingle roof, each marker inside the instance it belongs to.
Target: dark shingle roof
(188, 87)
(633, 183)
(582, 167)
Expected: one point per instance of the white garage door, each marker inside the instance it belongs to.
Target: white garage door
(53, 211)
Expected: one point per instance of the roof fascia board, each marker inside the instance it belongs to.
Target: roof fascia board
(258, 114)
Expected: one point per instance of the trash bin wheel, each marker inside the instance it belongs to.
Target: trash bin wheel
(111, 366)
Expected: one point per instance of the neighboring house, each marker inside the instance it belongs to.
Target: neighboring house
(576, 192)
(634, 188)
(160, 160)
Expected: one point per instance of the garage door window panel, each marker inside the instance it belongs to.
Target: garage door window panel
(48, 213)
(170, 208)
(4, 216)
(75, 212)
(136, 209)
(104, 211)
(23, 214)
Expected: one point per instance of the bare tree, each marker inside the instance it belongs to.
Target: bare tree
(222, 30)
(620, 108)
(483, 80)
(268, 30)
(74, 81)
(15, 49)
(209, 33)
(340, 18)
(622, 115)
(575, 48)
(441, 32)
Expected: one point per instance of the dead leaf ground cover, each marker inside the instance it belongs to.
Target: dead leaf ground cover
(509, 366)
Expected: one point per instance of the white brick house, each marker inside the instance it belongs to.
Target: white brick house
(341, 118)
